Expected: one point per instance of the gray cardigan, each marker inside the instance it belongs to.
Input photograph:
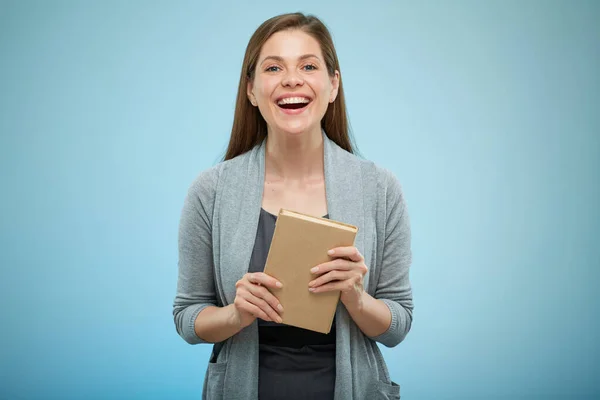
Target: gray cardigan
(216, 234)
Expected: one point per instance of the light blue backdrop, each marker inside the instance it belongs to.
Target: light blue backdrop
(488, 112)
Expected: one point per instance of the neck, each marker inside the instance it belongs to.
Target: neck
(294, 157)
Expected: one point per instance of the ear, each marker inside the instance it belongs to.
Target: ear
(250, 94)
(335, 85)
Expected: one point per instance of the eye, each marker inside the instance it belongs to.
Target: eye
(310, 67)
(272, 68)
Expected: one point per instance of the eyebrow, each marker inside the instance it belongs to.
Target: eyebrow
(280, 59)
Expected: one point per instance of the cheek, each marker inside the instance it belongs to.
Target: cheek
(264, 88)
(322, 89)
(323, 92)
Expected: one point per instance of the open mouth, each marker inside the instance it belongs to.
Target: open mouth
(294, 103)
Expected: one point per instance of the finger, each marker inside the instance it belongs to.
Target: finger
(250, 304)
(264, 279)
(254, 310)
(267, 296)
(332, 286)
(337, 264)
(248, 307)
(329, 277)
(349, 252)
(264, 306)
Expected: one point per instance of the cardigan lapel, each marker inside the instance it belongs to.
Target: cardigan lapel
(343, 186)
(241, 201)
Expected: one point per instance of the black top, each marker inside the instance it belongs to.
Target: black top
(294, 363)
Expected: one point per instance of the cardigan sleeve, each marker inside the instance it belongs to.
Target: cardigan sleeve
(393, 287)
(195, 282)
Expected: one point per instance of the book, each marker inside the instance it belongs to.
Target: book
(300, 242)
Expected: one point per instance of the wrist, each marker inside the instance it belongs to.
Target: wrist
(356, 306)
(234, 318)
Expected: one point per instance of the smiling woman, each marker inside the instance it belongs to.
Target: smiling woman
(290, 59)
(294, 82)
(290, 148)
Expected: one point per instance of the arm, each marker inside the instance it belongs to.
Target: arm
(252, 300)
(393, 288)
(216, 324)
(385, 317)
(196, 315)
(372, 316)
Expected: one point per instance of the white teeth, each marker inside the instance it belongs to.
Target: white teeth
(294, 100)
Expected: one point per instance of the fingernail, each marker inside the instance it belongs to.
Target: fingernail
(311, 289)
(278, 284)
(330, 252)
(280, 307)
(279, 320)
(315, 269)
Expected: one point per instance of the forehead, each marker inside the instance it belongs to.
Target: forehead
(290, 44)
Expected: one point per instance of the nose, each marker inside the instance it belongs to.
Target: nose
(292, 79)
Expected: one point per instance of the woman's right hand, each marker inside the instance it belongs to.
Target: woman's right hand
(253, 299)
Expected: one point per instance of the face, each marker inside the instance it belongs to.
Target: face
(291, 86)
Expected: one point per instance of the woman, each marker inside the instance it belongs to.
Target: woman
(290, 148)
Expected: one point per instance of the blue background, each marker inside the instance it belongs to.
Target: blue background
(488, 113)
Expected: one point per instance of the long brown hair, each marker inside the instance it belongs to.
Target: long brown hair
(249, 127)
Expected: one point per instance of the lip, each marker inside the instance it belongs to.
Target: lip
(288, 95)
(293, 111)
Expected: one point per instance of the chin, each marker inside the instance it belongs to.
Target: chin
(295, 129)
(292, 130)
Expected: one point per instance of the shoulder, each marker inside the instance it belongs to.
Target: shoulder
(376, 177)
(371, 171)
(388, 182)
(208, 179)
(207, 182)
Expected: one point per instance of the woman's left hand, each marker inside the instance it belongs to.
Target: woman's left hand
(345, 273)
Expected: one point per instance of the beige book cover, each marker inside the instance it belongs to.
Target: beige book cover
(300, 242)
